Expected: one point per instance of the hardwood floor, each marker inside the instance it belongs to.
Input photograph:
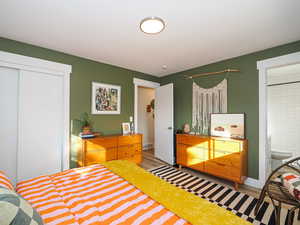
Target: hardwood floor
(149, 162)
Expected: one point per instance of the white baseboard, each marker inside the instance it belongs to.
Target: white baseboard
(253, 183)
(147, 146)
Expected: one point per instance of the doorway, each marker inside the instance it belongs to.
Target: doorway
(145, 117)
(163, 119)
(265, 144)
(144, 93)
(283, 94)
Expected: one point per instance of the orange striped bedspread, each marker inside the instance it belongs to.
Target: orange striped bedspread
(93, 195)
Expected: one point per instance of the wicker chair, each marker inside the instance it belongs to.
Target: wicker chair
(278, 193)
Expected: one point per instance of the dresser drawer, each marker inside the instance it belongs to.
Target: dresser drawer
(198, 153)
(191, 156)
(126, 151)
(129, 150)
(232, 159)
(181, 154)
(102, 142)
(137, 148)
(193, 140)
(222, 170)
(130, 139)
(196, 157)
(181, 139)
(229, 146)
(98, 156)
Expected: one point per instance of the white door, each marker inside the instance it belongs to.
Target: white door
(40, 124)
(164, 131)
(9, 79)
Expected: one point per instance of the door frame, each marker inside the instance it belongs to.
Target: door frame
(20, 63)
(263, 66)
(140, 83)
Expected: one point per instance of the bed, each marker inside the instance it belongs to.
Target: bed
(117, 192)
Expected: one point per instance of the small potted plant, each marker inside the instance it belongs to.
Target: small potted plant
(86, 123)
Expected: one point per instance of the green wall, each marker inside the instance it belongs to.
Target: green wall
(85, 71)
(242, 92)
(242, 88)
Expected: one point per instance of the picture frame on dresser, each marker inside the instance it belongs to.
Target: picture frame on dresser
(105, 98)
(126, 128)
(228, 125)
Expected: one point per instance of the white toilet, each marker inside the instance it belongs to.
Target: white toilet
(278, 157)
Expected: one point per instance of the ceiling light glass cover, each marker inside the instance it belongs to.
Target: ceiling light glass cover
(152, 25)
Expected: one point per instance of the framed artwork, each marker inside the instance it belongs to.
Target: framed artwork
(106, 98)
(227, 125)
(126, 128)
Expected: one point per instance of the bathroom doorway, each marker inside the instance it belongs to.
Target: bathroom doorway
(283, 110)
(265, 137)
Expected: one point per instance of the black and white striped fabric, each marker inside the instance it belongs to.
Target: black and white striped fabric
(241, 204)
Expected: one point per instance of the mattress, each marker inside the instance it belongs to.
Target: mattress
(92, 195)
(117, 192)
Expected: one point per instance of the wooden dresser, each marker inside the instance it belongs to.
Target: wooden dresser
(105, 148)
(222, 157)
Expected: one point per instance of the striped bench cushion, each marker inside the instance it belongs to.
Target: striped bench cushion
(292, 182)
(5, 182)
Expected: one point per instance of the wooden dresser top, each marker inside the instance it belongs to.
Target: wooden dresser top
(114, 135)
(211, 137)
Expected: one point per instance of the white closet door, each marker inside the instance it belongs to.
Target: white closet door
(40, 124)
(9, 121)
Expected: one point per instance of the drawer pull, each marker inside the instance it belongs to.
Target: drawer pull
(220, 164)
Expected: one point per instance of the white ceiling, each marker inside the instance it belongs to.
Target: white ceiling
(197, 32)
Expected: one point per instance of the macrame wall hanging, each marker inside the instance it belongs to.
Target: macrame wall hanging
(205, 102)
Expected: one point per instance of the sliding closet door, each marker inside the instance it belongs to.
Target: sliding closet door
(40, 124)
(9, 121)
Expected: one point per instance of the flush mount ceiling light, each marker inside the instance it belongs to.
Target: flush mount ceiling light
(152, 25)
